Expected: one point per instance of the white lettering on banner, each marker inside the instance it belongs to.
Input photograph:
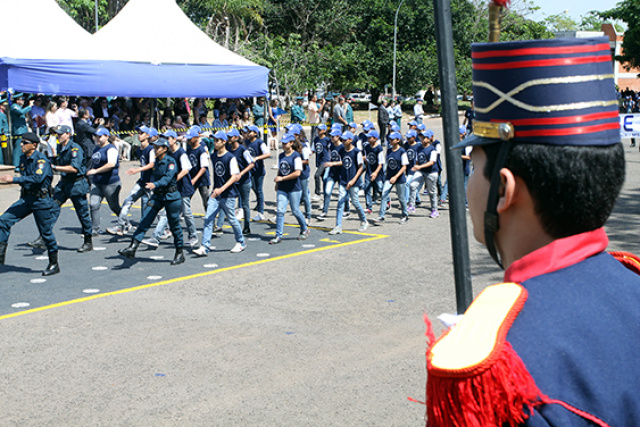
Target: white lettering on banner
(629, 126)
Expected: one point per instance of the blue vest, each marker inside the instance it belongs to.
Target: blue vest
(424, 156)
(372, 154)
(322, 149)
(286, 166)
(255, 151)
(194, 157)
(334, 171)
(100, 159)
(412, 153)
(184, 185)
(145, 158)
(242, 163)
(394, 164)
(222, 173)
(349, 164)
(306, 169)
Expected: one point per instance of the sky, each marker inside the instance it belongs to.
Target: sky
(576, 8)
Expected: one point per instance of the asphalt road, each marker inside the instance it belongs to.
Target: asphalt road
(304, 337)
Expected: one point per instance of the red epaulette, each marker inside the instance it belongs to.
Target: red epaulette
(629, 260)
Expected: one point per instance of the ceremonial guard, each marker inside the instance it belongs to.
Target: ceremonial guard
(35, 197)
(73, 185)
(556, 344)
(18, 124)
(165, 195)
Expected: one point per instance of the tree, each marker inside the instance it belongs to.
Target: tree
(627, 11)
(83, 11)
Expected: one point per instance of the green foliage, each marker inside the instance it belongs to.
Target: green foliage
(83, 12)
(628, 11)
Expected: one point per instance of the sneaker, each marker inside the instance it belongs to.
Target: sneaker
(239, 247)
(193, 242)
(239, 214)
(116, 231)
(389, 205)
(201, 251)
(363, 226)
(404, 220)
(304, 234)
(346, 214)
(336, 230)
(128, 229)
(321, 217)
(411, 209)
(275, 240)
(316, 198)
(217, 230)
(258, 217)
(246, 231)
(434, 214)
(368, 211)
(377, 221)
(151, 242)
(440, 204)
(165, 235)
(307, 221)
(272, 219)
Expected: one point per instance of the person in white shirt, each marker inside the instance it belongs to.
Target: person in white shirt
(315, 108)
(418, 111)
(65, 115)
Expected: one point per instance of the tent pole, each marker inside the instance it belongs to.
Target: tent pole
(9, 157)
(459, 238)
(266, 121)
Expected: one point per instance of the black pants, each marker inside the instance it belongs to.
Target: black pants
(318, 177)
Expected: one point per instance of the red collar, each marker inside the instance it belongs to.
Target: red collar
(556, 255)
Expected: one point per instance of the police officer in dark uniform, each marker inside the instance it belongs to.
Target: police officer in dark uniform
(73, 185)
(165, 195)
(35, 197)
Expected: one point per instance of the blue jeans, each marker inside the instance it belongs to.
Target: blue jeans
(245, 194)
(328, 188)
(410, 179)
(227, 205)
(256, 185)
(386, 193)
(293, 199)
(137, 192)
(343, 196)
(306, 197)
(445, 190)
(188, 220)
(370, 187)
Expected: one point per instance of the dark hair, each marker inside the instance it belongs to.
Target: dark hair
(82, 113)
(574, 188)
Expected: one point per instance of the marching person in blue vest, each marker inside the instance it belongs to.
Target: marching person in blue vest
(397, 162)
(412, 147)
(426, 172)
(223, 197)
(374, 174)
(556, 343)
(259, 150)
(35, 198)
(288, 188)
(305, 153)
(199, 158)
(73, 185)
(105, 180)
(334, 171)
(19, 124)
(321, 149)
(351, 167)
(186, 190)
(147, 157)
(164, 186)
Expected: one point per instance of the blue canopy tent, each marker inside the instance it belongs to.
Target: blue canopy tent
(127, 57)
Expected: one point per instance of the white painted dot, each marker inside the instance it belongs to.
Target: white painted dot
(157, 257)
(210, 266)
(20, 305)
(254, 239)
(309, 245)
(38, 280)
(42, 258)
(91, 291)
(99, 248)
(263, 255)
(154, 277)
(100, 268)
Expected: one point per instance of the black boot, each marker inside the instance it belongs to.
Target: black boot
(130, 252)
(38, 243)
(88, 244)
(246, 230)
(53, 267)
(3, 252)
(178, 258)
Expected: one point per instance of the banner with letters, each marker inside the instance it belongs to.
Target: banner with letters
(629, 126)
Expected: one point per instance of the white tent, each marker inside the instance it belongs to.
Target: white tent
(150, 49)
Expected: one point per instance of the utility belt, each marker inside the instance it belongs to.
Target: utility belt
(74, 180)
(41, 193)
(165, 190)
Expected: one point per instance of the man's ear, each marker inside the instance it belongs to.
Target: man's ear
(507, 190)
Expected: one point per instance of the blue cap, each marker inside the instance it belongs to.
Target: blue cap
(101, 131)
(143, 129)
(413, 123)
(153, 132)
(335, 132)
(254, 128)
(196, 128)
(63, 129)
(367, 126)
(395, 135)
(462, 129)
(295, 130)
(353, 125)
(336, 126)
(421, 126)
(322, 127)
(571, 100)
(220, 135)
(170, 134)
(288, 137)
(411, 134)
(366, 121)
(395, 127)
(428, 133)
(233, 132)
(192, 133)
(347, 135)
(161, 142)
(373, 134)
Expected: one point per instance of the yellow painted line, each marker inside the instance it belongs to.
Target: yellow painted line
(372, 237)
